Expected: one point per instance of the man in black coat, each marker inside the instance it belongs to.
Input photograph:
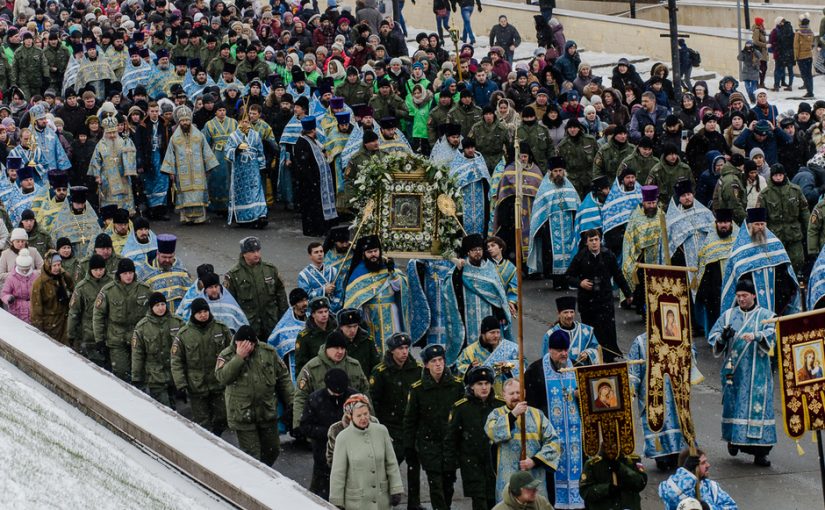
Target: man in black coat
(151, 139)
(591, 271)
(324, 407)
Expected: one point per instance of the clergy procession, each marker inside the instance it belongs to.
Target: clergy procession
(431, 183)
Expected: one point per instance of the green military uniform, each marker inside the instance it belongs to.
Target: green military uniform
(40, 240)
(215, 67)
(207, 55)
(729, 193)
(578, 154)
(465, 116)
(5, 72)
(195, 351)
(254, 387)
(597, 480)
(609, 158)
(29, 69)
(118, 309)
(311, 378)
(787, 217)
(362, 349)
(389, 390)
(82, 267)
(151, 363)
(260, 292)
(58, 60)
(248, 71)
(310, 339)
(438, 116)
(186, 51)
(81, 312)
(493, 138)
(642, 165)
(390, 106)
(541, 145)
(468, 447)
(665, 175)
(354, 93)
(425, 425)
(70, 266)
(816, 229)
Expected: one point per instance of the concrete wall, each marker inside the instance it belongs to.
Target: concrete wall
(596, 32)
(723, 14)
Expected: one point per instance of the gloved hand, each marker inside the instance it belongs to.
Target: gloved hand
(390, 264)
(728, 333)
(395, 499)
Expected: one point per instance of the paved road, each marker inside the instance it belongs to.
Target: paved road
(791, 483)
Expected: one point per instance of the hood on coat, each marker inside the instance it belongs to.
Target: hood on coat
(657, 67)
(725, 80)
(701, 83)
(569, 44)
(711, 157)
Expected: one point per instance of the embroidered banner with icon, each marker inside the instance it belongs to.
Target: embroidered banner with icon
(669, 353)
(800, 339)
(605, 405)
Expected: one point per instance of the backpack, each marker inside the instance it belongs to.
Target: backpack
(695, 57)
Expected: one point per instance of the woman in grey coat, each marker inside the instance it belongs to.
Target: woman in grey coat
(365, 474)
(750, 58)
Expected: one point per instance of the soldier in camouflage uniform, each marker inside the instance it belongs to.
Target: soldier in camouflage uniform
(195, 351)
(609, 157)
(425, 422)
(466, 114)
(81, 312)
(103, 246)
(390, 384)
(816, 230)
(360, 347)
(641, 161)
(729, 192)
(538, 137)
(311, 378)
(57, 57)
(151, 344)
(353, 90)
(257, 287)
(439, 116)
(490, 134)
(29, 68)
(387, 103)
(119, 306)
(317, 328)
(256, 380)
(578, 150)
(788, 215)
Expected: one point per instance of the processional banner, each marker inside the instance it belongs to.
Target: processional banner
(606, 410)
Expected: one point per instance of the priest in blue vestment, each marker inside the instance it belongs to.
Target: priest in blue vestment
(470, 172)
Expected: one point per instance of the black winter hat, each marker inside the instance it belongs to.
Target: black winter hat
(336, 380)
(28, 214)
(398, 340)
(103, 241)
(433, 351)
(199, 305)
(479, 374)
(336, 339)
(96, 262)
(297, 295)
(246, 332)
(155, 298)
(349, 317)
(210, 279)
(125, 266)
(489, 323)
(62, 241)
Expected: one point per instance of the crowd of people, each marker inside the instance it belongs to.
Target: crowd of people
(115, 115)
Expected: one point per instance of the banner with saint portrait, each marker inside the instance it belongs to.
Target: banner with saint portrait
(669, 337)
(800, 339)
(606, 410)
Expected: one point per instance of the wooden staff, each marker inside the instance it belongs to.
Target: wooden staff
(366, 214)
(519, 307)
(454, 36)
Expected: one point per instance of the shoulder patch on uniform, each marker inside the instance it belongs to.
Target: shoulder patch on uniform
(175, 344)
(372, 380)
(584, 477)
(220, 363)
(416, 384)
(814, 217)
(99, 300)
(302, 383)
(460, 402)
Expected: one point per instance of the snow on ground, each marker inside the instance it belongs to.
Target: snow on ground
(603, 64)
(53, 456)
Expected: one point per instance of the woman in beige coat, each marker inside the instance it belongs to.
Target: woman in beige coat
(365, 474)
